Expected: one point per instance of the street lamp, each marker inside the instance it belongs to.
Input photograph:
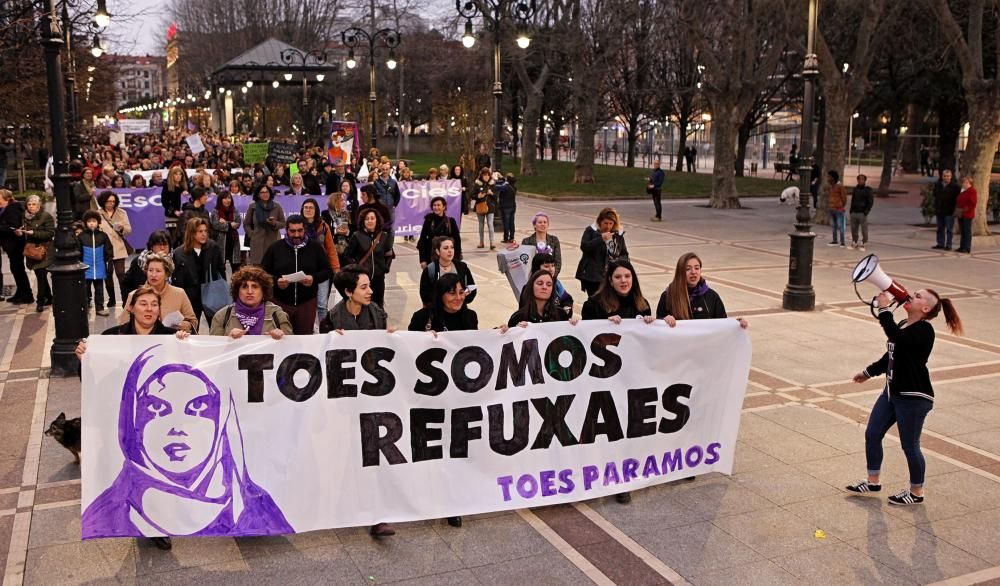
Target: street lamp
(799, 294)
(353, 37)
(307, 59)
(101, 16)
(495, 11)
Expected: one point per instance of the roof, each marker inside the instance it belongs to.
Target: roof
(268, 57)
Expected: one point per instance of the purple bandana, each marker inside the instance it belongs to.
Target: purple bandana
(698, 290)
(252, 319)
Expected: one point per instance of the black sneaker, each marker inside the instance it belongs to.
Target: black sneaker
(381, 530)
(937, 247)
(624, 497)
(864, 487)
(904, 498)
(162, 543)
(455, 521)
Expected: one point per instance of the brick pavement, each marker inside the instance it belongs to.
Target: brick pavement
(800, 441)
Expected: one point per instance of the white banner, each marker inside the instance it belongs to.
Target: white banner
(213, 436)
(194, 143)
(133, 126)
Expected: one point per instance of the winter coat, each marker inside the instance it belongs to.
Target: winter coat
(372, 317)
(432, 273)
(595, 258)
(506, 196)
(11, 218)
(220, 234)
(225, 320)
(117, 236)
(191, 212)
(552, 242)
(358, 246)
(97, 253)
(967, 203)
(83, 199)
(484, 192)
(282, 259)
(43, 226)
(192, 269)
(862, 200)
(435, 225)
(704, 306)
(945, 197)
(837, 197)
(262, 236)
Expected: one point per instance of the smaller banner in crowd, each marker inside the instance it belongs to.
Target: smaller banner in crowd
(195, 144)
(211, 436)
(254, 152)
(344, 145)
(145, 211)
(281, 152)
(133, 126)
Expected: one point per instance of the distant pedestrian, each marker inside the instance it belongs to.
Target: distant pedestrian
(506, 189)
(836, 202)
(484, 202)
(925, 161)
(946, 192)
(965, 211)
(654, 188)
(862, 200)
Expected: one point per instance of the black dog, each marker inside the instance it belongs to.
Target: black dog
(67, 433)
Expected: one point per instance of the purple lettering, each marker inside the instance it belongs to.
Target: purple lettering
(650, 469)
(527, 486)
(698, 455)
(712, 452)
(566, 480)
(630, 468)
(672, 461)
(590, 474)
(505, 482)
(611, 474)
(548, 482)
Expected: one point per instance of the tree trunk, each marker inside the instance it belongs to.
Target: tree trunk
(583, 169)
(724, 130)
(838, 119)
(682, 137)
(633, 137)
(916, 125)
(532, 113)
(977, 160)
(949, 128)
(554, 141)
(743, 137)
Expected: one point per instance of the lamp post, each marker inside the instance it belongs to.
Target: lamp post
(313, 58)
(799, 294)
(496, 11)
(353, 37)
(69, 304)
(95, 27)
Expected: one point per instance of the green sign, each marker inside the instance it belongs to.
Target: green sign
(254, 152)
(293, 169)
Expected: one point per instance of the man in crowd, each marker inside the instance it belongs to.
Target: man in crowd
(655, 188)
(388, 192)
(483, 158)
(862, 200)
(946, 192)
(283, 260)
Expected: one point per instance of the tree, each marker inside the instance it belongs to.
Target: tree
(981, 82)
(630, 86)
(740, 44)
(678, 77)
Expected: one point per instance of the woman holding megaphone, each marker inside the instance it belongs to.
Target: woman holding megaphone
(908, 396)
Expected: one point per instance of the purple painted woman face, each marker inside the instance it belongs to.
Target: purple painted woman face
(177, 422)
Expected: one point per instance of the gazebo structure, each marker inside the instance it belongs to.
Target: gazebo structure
(270, 63)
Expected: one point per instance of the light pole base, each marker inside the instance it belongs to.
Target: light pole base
(69, 308)
(799, 294)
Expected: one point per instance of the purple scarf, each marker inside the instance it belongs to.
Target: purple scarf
(252, 319)
(288, 241)
(698, 290)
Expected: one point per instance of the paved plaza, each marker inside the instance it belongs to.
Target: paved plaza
(781, 518)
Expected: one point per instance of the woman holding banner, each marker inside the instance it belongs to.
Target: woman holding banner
(689, 297)
(251, 313)
(173, 300)
(263, 222)
(908, 395)
(538, 303)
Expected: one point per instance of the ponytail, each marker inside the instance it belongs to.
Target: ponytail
(950, 313)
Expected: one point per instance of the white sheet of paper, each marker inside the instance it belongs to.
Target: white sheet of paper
(173, 319)
(296, 277)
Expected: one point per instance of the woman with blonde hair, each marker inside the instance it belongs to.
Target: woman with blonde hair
(602, 242)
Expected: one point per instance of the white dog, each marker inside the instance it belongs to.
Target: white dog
(789, 196)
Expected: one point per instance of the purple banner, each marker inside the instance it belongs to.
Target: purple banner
(145, 212)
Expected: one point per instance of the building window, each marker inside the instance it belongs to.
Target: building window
(145, 74)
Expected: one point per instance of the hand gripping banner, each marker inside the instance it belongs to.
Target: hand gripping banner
(214, 436)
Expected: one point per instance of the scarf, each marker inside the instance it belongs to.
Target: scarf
(288, 241)
(698, 290)
(261, 210)
(316, 231)
(252, 319)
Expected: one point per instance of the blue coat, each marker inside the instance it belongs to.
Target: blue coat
(97, 253)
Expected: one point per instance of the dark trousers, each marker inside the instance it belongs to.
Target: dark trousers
(908, 414)
(44, 290)
(116, 268)
(378, 290)
(944, 228)
(590, 287)
(657, 194)
(98, 295)
(507, 218)
(302, 316)
(966, 241)
(14, 247)
(690, 165)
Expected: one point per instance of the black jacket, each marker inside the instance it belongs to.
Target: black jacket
(427, 319)
(945, 197)
(592, 309)
(359, 244)
(430, 275)
(171, 200)
(862, 200)
(707, 306)
(11, 218)
(506, 196)
(905, 362)
(594, 260)
(435, 225)
(128, 329)
(281, 259)
(372, 317)
(192, 269)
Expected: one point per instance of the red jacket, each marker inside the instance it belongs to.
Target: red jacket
(967, 201)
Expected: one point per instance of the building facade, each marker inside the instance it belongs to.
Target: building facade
(138, 77)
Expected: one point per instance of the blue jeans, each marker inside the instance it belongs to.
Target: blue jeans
(944, 227)
(908, 414)
(507, 218)
(485, 220)
(322, 294)
(838, 224)
(966, 241)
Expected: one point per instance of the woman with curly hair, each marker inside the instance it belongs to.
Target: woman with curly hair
(250, 312)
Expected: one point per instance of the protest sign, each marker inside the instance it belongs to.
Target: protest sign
(133, 126)
(281, 152)
(254, 152)
(214, 436)
(344, 145)
(195, 144)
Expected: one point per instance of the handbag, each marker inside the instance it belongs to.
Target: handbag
(482, 208)
(35, 251)
(214, 294)
(129, 249)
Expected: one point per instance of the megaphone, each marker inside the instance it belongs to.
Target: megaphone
(868, 270)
